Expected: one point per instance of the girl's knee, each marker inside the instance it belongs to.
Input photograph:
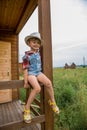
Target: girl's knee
(37, 90)
(49, 84)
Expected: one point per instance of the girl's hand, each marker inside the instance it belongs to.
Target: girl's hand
(26, 85)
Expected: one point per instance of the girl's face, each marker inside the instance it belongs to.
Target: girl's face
(34, 44)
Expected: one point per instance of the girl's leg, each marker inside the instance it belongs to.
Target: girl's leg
(47, 83)
(36, 89)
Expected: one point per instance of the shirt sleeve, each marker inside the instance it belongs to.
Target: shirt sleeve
(25, 63)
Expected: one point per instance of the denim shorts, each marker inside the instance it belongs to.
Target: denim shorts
(35, 73)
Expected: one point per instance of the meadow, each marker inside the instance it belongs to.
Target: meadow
(70, 88)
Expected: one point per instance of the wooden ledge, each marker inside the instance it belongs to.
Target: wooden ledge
(12, 84)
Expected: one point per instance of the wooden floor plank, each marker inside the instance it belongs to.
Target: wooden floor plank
(4, 116)
(19, 112)
(7, 112)
(11, 112)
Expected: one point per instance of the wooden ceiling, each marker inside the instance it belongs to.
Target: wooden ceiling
(14, 14)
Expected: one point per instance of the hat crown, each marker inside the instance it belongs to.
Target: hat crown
(33, 35)
(36, 34)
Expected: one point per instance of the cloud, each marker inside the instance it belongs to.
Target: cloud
(70, 45)
(69, 24)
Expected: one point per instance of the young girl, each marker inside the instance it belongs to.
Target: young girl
(33, 75)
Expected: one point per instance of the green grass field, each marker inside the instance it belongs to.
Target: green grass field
(70, 87)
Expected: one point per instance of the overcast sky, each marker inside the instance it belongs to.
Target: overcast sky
(69, 31)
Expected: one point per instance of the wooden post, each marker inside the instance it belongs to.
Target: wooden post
(45, 30)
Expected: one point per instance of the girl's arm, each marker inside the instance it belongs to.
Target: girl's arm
(26, 79)
(25, 66)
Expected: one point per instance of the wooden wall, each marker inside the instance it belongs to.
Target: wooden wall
(20, 68)
(13, 39)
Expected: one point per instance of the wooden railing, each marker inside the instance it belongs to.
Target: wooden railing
(36, 108)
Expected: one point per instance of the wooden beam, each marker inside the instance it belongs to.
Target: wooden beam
(45, 30)
(29, 9)
(37, 102)
(11, 84)
(34, 111)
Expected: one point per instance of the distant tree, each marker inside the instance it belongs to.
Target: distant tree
(73, 66)
(66, 66)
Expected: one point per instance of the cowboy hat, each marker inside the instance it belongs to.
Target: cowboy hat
(33, 35)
